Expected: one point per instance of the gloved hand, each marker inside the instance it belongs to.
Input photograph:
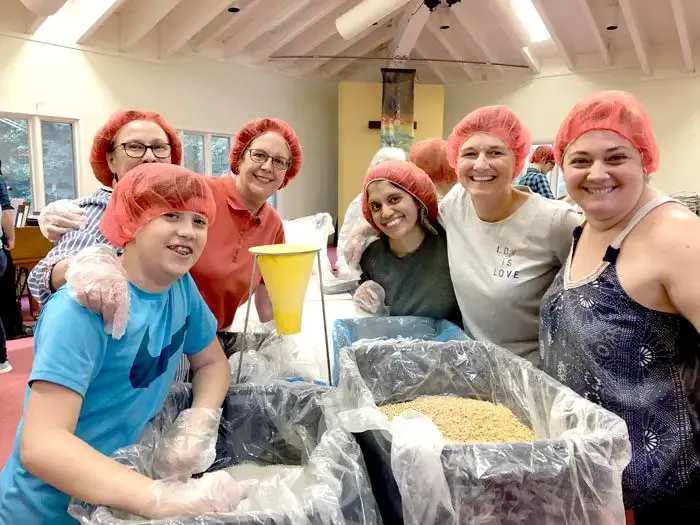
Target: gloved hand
(97, 280)
(216, 492)
(370, 297)
(359, 238)
(61, 217)
(189, 446)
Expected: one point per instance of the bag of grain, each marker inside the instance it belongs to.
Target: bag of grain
(273, 439)
(569, 475)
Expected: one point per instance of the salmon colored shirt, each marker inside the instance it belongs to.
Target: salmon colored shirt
(222, 273)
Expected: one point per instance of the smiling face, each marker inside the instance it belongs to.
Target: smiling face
(604, 175)
(262, 166)
(138, 132)
(168, 246)
(485, 165)
(394, 211)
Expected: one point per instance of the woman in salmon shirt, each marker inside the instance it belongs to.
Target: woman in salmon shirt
(265, 156)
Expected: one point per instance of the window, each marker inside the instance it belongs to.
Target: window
(38, 158)
(220, 147)
(193, 152)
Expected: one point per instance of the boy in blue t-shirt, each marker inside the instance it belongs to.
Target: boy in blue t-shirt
(90, 394)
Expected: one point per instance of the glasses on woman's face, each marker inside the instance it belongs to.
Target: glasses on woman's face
(136, 150)
(260, 157)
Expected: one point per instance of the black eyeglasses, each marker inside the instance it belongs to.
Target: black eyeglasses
(260, 157)
(136, 150)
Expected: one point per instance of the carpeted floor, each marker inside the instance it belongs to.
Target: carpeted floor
(12, 389)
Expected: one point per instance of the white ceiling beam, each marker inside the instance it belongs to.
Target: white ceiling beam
(513, 31)
(289, 33)
(596, 30)
(683, 34)
(409, 28)
(434, 67)
(466, 20)
(140, 18)
(272, 16)
(185, 22)
(362, 48)
(638, 39)
(563, 51)
(249, 14)
(444, 42)
(82, 39)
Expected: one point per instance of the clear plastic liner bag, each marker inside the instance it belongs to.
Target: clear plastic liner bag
(570, 475)
(273, 426)
(313, 229)
(353, 215)
(347, 332)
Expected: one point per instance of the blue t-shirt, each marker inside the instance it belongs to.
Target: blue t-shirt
(123, 383)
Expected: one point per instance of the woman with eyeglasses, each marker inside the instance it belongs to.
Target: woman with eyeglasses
(265, 156)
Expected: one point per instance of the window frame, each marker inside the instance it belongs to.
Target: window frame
(36, 153)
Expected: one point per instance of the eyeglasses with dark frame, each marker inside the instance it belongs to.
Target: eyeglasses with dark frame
(136, 150)
(260, 157)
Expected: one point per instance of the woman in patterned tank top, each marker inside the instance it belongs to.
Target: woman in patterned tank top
(620, 323)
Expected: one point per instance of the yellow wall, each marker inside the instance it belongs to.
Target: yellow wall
(360, 102)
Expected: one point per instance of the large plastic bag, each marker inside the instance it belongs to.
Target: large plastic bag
(313, 229)
(571, 475)
(275, 424)
(353, 215)
(347, 332)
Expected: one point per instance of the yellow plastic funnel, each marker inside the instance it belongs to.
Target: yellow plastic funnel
(286, 269)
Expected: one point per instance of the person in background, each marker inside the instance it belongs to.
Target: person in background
(620, 323)
(535, 177)
(8, 241)
(430, 155)
(90, 394)
(353, 213)
(265, 157)
(10, 308)
(407, 267)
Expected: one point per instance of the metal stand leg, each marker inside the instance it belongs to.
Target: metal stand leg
(325, 326)
(247, 318)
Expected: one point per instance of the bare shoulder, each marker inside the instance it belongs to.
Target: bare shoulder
(672, 231)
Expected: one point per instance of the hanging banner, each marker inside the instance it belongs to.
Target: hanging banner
(397, 108)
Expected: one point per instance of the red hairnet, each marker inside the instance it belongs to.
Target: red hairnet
(616, 111)
(499, 121)
(409, 178)
(150, 190)
(102, 143)
(542, 155)
(430, 155)
(253, 129)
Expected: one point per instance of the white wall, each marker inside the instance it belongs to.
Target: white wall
(542, 103)
(203, 95)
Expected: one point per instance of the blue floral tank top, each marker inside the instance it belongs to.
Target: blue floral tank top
(641, 364)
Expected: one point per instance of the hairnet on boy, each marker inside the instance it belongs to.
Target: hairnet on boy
(542, 155)
(149, 191)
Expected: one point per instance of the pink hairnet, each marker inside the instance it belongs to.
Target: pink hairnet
(102, 143)
(616, 111)
(430, 155)
(542, 154)
(150, 190)
(409, 178)
(499, 121)
(257, 127)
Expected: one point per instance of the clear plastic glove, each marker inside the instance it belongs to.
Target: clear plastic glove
(97, 280)
(216, 492)
(358, 239)
(370, 297)
(189, 446)
(61, 217)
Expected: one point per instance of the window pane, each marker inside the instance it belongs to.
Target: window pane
(15, 156)
(59, 161)
(272, 200)
(194, 152)
(220, 147)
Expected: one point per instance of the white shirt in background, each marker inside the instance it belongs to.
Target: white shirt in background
(501, 270)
